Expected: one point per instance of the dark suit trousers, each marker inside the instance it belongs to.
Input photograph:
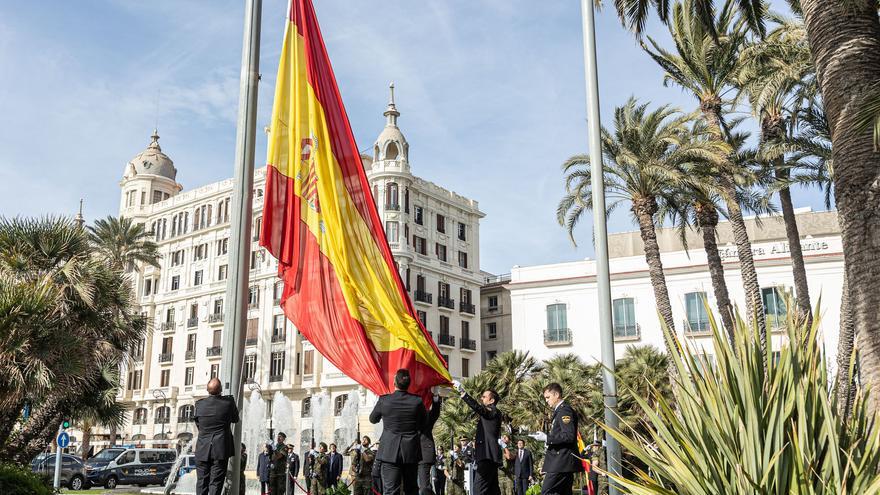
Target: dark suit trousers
(557, 484)
(425, 476)
(486, 479)
(440, 483)
(400, 479)
(522, 484)
(210, 476)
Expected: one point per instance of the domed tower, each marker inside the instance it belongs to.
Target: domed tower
(150, 177)
(390, 178)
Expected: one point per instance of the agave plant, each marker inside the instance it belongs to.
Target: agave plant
(754, 422)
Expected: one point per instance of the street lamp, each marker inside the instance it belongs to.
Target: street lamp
(158, 393)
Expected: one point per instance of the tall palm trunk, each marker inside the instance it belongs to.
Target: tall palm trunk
(711, 109)
(644, 210)
(773, 130)
(113, 434)
(86, 439)
(845, 43)
(707, 219)
(33, 437)
(845, 354)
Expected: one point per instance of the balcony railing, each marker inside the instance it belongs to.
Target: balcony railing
(214, 351)
(445, 302)
(165, 357)
(696, 326)
(139, 421)
(467, 308)
(192, 322)
(446, 339)
(627, 332)
(250, 342)
(190, 355)
(276, 378)
(184, 419)
(422, 296)
(390, 207)
(137, 358)
(468, 344)
(166, 325)
(254, 305)
(557, 336)
(281, 337)
(495, 309)
(277, 301)
(162, 420)
(215, 318)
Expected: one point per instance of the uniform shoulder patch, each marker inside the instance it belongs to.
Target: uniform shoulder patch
(566, 419)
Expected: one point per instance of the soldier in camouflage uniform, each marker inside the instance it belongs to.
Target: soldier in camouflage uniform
(278, 467)
(455, 464)
(361, 470)
(321, 470)
(505, 470)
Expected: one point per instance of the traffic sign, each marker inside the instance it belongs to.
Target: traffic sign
(63, 440)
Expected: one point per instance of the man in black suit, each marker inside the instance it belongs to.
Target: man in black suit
(400, 450)
(429, 449)
(487, 451)
(292, 470)
(213, 416)
(334, 465)
(561, 459)
(522, 468)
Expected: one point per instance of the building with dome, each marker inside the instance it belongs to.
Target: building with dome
(433, 234)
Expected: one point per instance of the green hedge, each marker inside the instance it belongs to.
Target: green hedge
(15, 480)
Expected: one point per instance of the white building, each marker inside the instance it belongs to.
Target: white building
(434, 236)
(555, 306)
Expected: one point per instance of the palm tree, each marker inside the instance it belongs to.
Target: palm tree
(707, 67)
(844, 39)
(123, 243)
(643, 157)
(778, 79)
(89, 313)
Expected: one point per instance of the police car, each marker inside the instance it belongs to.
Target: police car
(135, 466)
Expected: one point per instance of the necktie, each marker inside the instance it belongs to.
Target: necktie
(520, 455)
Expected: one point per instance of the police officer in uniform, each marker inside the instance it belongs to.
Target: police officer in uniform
(278, 466)
(561, 459)
(361, 470)
(455, 463)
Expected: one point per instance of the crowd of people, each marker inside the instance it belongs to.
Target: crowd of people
(406, 460)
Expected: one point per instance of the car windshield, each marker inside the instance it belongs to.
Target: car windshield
(107, 455)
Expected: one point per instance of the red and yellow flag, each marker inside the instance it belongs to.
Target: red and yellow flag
(342, 288)
(585, 461)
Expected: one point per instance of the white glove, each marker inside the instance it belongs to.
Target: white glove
(457, 386)
(502, 444)
(539, 436)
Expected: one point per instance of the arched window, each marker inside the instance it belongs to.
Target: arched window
(163, 414)
(140, 416)
(392, 196)
(339, 404)
(185, 413)
(307, 407)
(391, 151)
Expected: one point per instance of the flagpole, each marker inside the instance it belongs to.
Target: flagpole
(235, 319)
(600, 230)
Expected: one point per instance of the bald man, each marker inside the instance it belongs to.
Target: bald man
(213, 416)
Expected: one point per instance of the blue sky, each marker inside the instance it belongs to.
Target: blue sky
(490, 91)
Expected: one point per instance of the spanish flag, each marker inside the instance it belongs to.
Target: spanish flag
(342, 288)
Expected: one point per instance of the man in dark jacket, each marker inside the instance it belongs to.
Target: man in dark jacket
(429, 449)
(403, 415)
(292, 470)
(487, 451)
(213, 416)
(334, 465)
(561, 459)
(523, 467)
